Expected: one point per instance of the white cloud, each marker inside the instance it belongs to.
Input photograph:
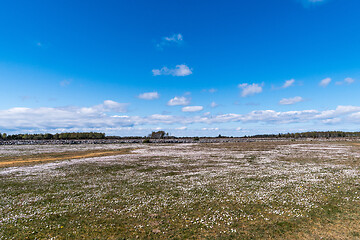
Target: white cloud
(346, 81)
(181, 128)
(308, 3)
(63, 117)
(159, 118)
(106, 106)
(175, 39)
(289, 101)
(179, 71)
(101, 118)
(325, 82)
(113, 106)
(177, 101)
(279, 117)
(340, 110)
(192, 108)
(288, 83)
(349, 80)
(355, 116)
(149, 95)
(248, 90)
(213, 104)
(210, 129)
(313, 1)
(331, 121)
(211, 90)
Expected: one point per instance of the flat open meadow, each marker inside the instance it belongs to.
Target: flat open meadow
(249, 190)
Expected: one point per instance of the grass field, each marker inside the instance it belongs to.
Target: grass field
(254, 190)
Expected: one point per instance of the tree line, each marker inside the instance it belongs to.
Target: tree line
(314, 134)
(57, 136)
(162, 134)
(77, 135)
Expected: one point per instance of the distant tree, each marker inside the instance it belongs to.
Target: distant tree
(4, 136)
(48, 136)
(158, 134)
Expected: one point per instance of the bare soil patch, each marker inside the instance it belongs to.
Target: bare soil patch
(49, 157)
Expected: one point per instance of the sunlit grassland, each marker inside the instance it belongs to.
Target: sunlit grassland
(258, 190)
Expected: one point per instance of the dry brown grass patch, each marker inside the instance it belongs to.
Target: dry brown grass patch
(50, 157)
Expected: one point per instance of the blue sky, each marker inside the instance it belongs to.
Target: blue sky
(191, 68)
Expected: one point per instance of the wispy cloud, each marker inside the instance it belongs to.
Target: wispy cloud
(290, 101)
(250, 89)
(211, 90)
(109, 106)
(175, 39)
(325, 82)
(331, 121)
(288, 83)
(346, 81)
(177, 101)
(340, 110)
(210, 129)
(349, 80)
(213, 104)
(192, 108)
(41, 44)
(149, 95)
(308, 3)
(179, 71)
